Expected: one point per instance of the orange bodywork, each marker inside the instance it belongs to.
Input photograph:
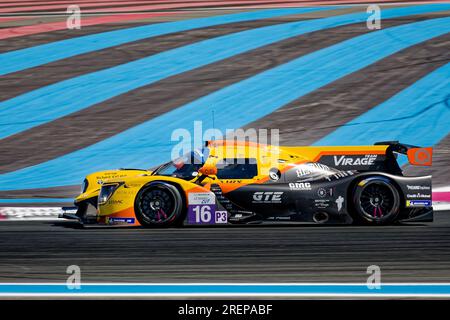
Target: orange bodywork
(420, 156)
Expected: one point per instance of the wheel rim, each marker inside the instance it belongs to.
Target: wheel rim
(377, 201)
(157, 206)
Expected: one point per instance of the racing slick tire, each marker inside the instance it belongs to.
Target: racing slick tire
(376, 201)
(159, 205)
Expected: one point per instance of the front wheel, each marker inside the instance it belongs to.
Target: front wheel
(376, 201)
(158, 205)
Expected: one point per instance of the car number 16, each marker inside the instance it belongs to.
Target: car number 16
(202, 214)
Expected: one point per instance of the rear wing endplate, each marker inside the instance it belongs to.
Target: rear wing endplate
(417, 156)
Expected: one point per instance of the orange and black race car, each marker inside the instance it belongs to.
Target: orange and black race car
(230, 182)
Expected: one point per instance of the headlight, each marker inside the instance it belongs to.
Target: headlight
(106, 192)
(84, 186)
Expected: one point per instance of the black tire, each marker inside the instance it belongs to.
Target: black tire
(376, 201)
(159, 205)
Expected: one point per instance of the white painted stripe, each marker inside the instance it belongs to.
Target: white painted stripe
(441, 206)
(30, 213)
(442, 189)
(329, 290)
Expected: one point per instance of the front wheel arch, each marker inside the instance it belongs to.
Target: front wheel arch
(179, 195)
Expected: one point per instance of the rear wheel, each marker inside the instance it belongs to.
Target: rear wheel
(376, 201)
(159, 205)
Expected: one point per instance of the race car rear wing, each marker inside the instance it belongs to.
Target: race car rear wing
(417, 156)
(382, 156)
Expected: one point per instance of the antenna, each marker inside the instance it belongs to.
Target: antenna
(213, 126)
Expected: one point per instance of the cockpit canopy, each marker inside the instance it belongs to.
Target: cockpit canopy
(185, 167)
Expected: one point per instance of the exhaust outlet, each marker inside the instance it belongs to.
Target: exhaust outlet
(320, 217)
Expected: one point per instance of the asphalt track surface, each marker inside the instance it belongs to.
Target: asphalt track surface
(41, 251)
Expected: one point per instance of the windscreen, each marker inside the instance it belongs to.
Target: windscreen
(185, 167)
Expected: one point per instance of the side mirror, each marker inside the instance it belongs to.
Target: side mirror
(208, 170)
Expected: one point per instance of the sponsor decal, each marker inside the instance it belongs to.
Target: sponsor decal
(300, 186)
(111, 176)
(323, 192)
(362, 183)
(418, 196)
(339, 201)
(125, 192)
(267, 197)
(366, 160)
(322, 203)
(339, 175)
(118, 220)
(410, 187)
(101, 179)
(202, 208)
(115, 201)
(232, 181)
(274, 174)
(310, 168)
(278, 218)
(418, 203)
(201, 198)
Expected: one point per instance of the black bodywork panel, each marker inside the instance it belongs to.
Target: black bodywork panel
(302, 195)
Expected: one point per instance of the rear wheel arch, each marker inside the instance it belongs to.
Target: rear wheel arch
(357, 179)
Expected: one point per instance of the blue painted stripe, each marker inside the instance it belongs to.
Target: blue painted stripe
(418, 115)
(359, 289)
(36, 200)
(51, 102)
(35, 56)
(149, 143)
